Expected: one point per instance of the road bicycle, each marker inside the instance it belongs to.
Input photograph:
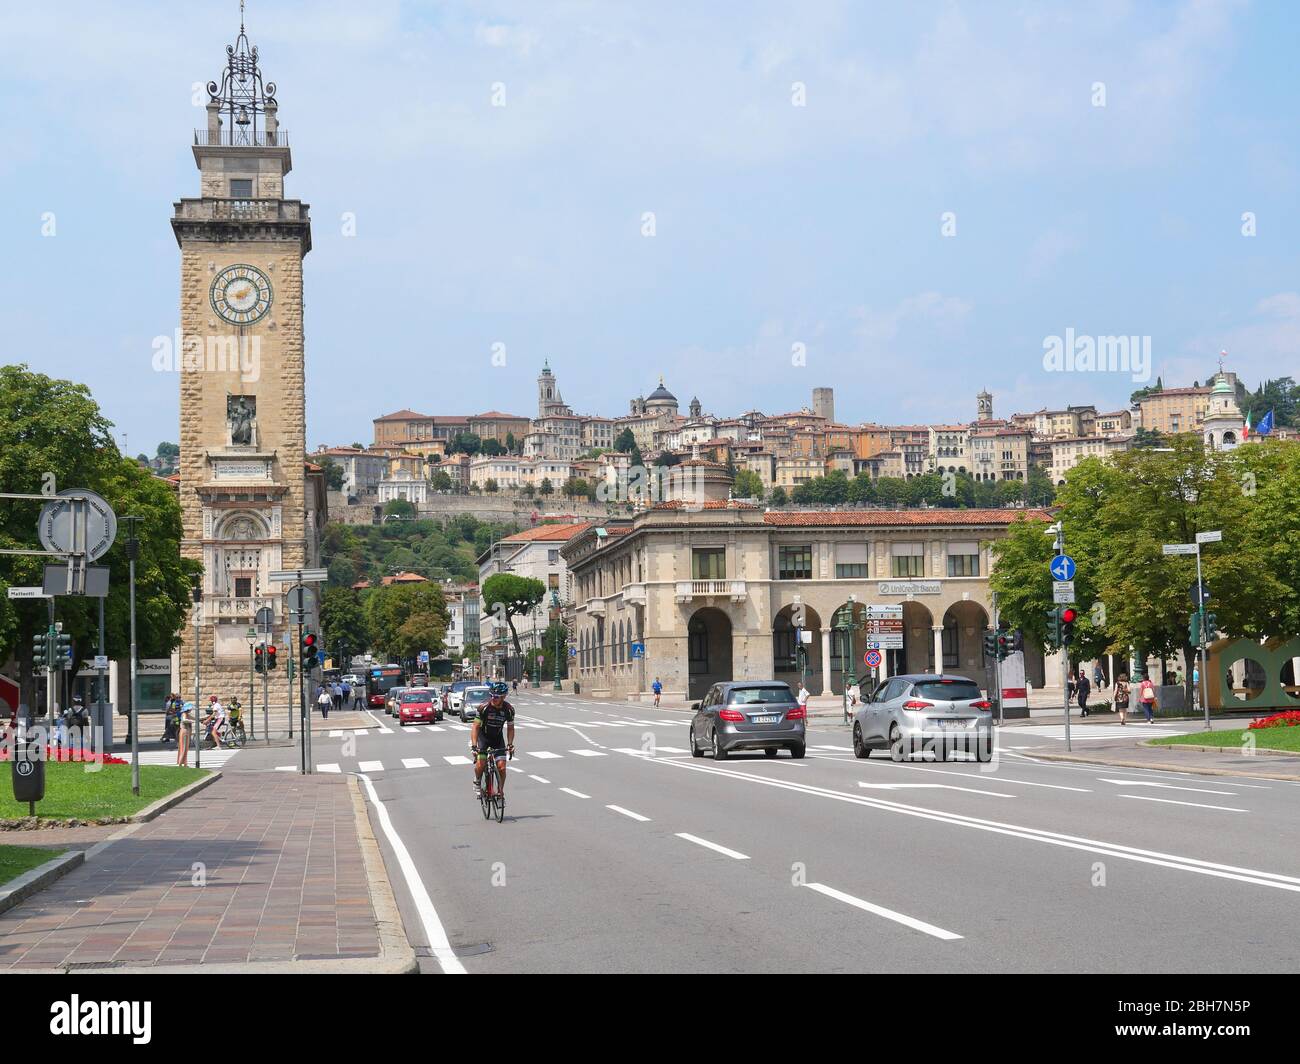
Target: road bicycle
(489, 793)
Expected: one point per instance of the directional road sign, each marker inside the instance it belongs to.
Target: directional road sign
(1179, 548)
(1062, 567)
(293, 576)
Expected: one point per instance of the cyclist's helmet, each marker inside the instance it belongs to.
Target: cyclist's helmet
(499, 689)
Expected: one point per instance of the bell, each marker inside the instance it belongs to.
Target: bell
(242, 119)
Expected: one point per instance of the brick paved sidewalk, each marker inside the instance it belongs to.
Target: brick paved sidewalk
(293, 874)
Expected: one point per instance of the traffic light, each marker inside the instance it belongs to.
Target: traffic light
(990, 645)
(270, 657)
(308, 651)
(1004, 645)
(1068, 616)
(41, 651)
(1054, 626)
(63, 651)
(1016, 643)
(1194, 629)
(259, 665)
(1211, 628)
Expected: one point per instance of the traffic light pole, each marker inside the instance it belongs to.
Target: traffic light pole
(266, 694)
(1200, 605)
(997, 658)
(1065, 648)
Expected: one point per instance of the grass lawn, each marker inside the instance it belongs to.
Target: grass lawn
(1265, 738)
(73, 793)
(15, 860)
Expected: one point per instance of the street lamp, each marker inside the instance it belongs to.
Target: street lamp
(536, 648)
(132, 552)
(251, 637)
(559, 627)
(196, 594)
(848, 624)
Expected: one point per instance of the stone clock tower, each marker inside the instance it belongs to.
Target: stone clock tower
(247, 504)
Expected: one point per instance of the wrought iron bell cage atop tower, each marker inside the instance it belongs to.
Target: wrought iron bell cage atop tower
(247, 104)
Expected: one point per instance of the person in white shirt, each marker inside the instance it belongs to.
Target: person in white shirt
(215, 720)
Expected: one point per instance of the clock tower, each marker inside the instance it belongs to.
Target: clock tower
(248, 506)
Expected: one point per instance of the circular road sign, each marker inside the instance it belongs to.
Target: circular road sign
(56, 526)
(871, 659)
(24, 767)
(1062, 567)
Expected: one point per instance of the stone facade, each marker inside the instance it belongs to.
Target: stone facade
(716, 594)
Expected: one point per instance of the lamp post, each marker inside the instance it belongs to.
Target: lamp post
(197, 611)
(559, 626)
(251, 637)
(536, 681)
(848, 625)
(132, 552)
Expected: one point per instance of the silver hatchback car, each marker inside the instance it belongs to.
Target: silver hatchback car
(749, 715)
(913, 713)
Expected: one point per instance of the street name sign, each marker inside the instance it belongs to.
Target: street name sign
(28, 593)
(1063, 592)
(1209, 537)
(1179, 548)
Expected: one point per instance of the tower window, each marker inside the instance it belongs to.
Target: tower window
(241, 188)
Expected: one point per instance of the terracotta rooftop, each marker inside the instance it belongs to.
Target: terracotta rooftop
(403, 415)
(708, 504)
(548, 533)
(498, 413)
(878, 518)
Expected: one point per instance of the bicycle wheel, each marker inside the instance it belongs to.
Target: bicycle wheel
(485, 796)
(500, 800)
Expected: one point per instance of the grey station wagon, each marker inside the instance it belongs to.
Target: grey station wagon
(754, 715)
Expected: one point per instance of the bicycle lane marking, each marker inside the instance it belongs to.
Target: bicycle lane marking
(439, 944)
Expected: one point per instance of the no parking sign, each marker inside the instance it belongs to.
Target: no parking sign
(872, 659)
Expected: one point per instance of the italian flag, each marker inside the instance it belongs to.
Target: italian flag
(1246, 431)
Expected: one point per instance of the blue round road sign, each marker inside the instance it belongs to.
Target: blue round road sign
(1062, 567)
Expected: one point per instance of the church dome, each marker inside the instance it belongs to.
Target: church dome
(661, 394)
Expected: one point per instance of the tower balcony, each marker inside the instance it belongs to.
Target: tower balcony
(212, 209)
(687, 590)
(240, 138)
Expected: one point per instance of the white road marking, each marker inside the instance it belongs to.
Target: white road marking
(888, 914)
(414, 762)
(848, 748)
(537, 778)
(576, 794)
(586, 753)
(286, 768)
(931, 786)
(358, 731)
(734, 854)
(671, 749)
(456, 759)
(544, 755)
(439, 945)
(328, 768)
(339, 734)
(997, 777)
(1166, 786)
(628, 812)
(1172, 801)
(371, 766)
(1277, 880)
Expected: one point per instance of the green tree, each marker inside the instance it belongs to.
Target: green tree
(509, 596)
(1038, 488)
(343, 620)
(491, 486)
(491, 448)
(441, 481)
(399, 508)
(891, 491)
(333, 473)
(778, 497)
(1010, 492)
(389, 609)
(511, 443)
(861, 489)
(748, 485)
(52, 433)
(625, 441)
(546, 487)
(464, 443)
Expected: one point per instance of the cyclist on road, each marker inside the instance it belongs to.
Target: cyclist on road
(493, 733)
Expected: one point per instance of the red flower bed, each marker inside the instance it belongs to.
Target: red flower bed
(65, 754)
(1288, 719)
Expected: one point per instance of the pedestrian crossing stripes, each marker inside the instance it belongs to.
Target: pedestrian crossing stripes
(210, 758)
(462, 759)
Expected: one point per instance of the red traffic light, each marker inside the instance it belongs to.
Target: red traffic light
(309, 641)
(1069, 615)
(270, 651)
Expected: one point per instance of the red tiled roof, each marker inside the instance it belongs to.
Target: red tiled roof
(404, 415)
(498, 413)
(548, 533)
(868, 518)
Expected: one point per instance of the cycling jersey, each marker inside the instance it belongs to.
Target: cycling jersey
(492, 721)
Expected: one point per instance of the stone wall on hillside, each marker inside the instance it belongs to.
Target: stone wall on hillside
(502, 509)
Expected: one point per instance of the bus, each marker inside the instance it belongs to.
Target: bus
(380, 679)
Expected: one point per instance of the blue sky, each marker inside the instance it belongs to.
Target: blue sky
(775, 225)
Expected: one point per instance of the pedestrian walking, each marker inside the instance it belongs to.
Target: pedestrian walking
(336, 691)
(347, 693)
(183, 733)
(1098, 677)
(1084, 687)
(358, 696)
(1121, 697)
(658, 689)
(323, 700)
(1147, 696)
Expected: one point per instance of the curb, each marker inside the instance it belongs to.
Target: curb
(39, 878)
(1153, 745)
(396, 954)
(1196, 770)
(163, 804)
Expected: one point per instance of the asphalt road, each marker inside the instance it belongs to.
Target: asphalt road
(622, 853)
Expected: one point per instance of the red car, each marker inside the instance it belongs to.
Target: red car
(419, 705)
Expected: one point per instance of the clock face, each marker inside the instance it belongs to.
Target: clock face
(241, 294)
